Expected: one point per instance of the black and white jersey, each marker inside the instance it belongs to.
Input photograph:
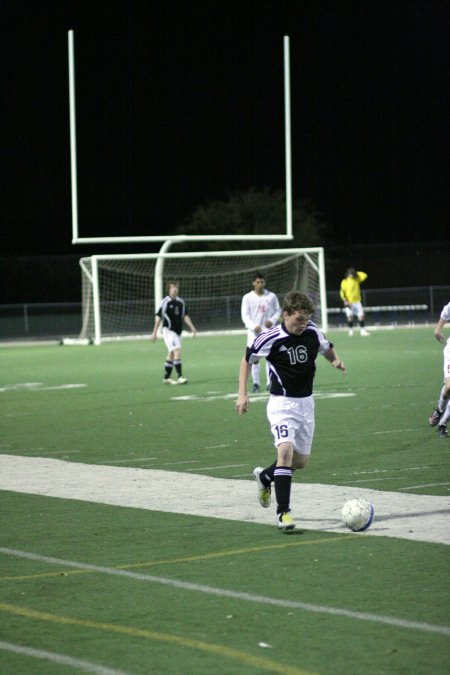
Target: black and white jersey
(172, 312)
(291, 358)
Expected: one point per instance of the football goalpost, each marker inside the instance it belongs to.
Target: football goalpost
(122, 292)
(76, 239)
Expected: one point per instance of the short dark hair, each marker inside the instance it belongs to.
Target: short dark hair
(295, 301)
(258, 275)
(351, 272)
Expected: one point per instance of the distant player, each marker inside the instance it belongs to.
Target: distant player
(441, 415)
(260, 310)
(350, 293)
(172, 312)
(291, 348)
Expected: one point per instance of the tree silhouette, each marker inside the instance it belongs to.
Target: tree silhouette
(255, 211)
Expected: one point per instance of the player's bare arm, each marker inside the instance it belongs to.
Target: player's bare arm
(438, 331)
(242, 399)
(335, 360)
(155, 329)
(191, 325)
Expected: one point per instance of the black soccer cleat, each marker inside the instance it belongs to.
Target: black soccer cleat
(434, 418)
(442, 431)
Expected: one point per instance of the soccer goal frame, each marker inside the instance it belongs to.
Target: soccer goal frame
(122, 292)
(287, 235)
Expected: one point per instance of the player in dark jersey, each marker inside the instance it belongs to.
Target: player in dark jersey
(291, 349)
(172, 313)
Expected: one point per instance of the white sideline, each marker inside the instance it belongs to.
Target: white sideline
(63, 659)
(315, 506)
(237, 595)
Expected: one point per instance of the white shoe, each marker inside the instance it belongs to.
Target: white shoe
(264, 495)
(181, 380)
(364, 333)
(285, 521)
(168, 380)
(350, 332)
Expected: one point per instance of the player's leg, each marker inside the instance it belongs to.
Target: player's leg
(168, 365)
(304, 433)
(444, 400)
(171, 342)
(444, 397)
(292, 426)
(301, 423)
(436, 415)
(361, 317)
(178, 365)
(255, 377)
(267, 376)
(282, 478)
(265, 477)
(349, 314)
(302, 447)
(281, 412)
(443, 422)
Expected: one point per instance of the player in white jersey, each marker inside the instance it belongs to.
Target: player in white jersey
(441, 415)
(291, 348)
(260, 310)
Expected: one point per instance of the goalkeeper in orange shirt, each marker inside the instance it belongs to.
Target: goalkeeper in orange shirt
(350, 293)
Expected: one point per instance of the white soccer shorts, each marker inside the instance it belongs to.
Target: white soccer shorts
(292, 420)
(172, 339)
(355, 309)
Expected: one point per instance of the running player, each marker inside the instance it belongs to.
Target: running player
(291, 349)
(441, 415)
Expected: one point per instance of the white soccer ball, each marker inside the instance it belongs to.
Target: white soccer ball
(357, 514)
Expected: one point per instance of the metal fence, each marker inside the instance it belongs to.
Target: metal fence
(394, 306)
(385, 306)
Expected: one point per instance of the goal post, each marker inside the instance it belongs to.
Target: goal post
(122, 292)
(287, 235)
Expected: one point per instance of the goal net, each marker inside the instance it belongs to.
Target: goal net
(121, 293)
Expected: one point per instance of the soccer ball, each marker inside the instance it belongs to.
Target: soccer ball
(357, 514)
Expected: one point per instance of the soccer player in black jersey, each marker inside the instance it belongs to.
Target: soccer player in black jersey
(172, 312)
(291, 349)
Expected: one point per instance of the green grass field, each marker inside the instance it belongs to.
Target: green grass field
(93, 587)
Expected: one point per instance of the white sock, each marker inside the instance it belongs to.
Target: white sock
(446, 415)
(255, 373)
(442, 401)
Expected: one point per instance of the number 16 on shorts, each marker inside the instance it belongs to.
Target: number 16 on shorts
(282, 431)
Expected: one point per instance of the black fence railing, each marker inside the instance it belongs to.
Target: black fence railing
(387, 306)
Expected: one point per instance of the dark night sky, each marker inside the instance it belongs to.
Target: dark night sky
(179, 102)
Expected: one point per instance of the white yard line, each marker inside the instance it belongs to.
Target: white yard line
(121, 461)
(315, 506)
(424, 485)
(237, 595)
(62, 659)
